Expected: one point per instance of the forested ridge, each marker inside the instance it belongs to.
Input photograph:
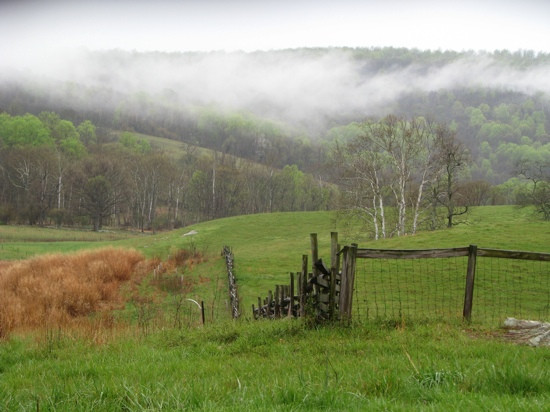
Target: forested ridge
(272, 120)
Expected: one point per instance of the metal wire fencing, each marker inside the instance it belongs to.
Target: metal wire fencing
(483, 284)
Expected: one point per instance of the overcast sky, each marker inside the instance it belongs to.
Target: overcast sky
(34, 27)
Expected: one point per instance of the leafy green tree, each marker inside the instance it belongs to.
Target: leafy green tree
(477, 118)
(87, 133)
(22, 131)
(134, 143)
(199, 197)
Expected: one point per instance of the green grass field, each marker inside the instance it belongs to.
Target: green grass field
(276, 365)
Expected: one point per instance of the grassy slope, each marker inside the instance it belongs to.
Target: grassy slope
(269, 246)
(284, 365)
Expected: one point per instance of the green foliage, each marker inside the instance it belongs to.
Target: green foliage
(87, 133)
(21, 131)
(134, 143)
(73, 148)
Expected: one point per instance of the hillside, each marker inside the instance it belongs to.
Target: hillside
(157, 363)
(269, 108)
(269, 246)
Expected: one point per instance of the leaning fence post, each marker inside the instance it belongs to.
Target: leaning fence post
(470, 278)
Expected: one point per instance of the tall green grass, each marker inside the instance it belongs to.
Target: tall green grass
(281, 365)
(278, 366)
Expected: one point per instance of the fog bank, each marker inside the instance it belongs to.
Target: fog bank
(296, 86)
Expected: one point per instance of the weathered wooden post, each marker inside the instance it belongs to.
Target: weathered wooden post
(314, 271)
(470, 278)
(333, 273)
(314, 253)
(291, 292)
(277, 308)
(303, 286)
(232, 282)
(347, 282)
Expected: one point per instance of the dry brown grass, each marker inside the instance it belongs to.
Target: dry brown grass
(169, 274)
(57, 290)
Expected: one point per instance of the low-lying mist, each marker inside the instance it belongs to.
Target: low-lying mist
(302, 87)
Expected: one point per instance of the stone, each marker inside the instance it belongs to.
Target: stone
(530, 332)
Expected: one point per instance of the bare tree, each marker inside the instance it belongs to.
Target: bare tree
(388, 158)
(363, 174)
(99, 185)
(538, 173)
(452, 158)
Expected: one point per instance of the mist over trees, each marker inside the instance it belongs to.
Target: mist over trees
(71, 152)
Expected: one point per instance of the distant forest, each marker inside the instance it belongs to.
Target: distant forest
(496, 103)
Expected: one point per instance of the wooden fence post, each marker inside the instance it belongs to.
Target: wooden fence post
(291, 305)
(348, 278)
(232, 282)
(333, 273)
(314, 253)
(470, 278)
(343, 283)
(303, 286)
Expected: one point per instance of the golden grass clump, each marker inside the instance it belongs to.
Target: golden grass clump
(53, 290)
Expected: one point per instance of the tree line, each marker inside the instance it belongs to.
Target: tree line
(52, 172)
(400, 175)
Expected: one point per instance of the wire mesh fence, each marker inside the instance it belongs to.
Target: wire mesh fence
(512, 288)
(420, 286)
(412, 288)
